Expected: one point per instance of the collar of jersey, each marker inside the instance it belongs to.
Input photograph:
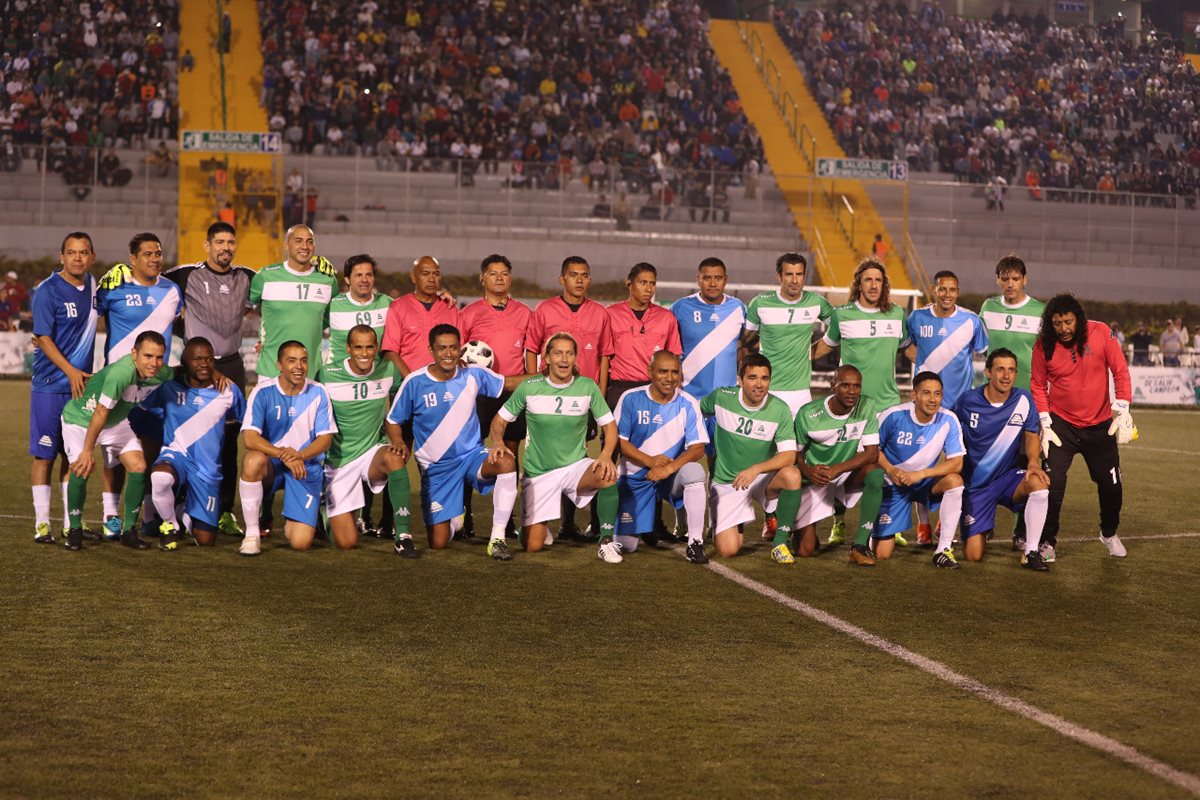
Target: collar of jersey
(367, 302)
(836, 416)
(353, 374)
(724, 299)
(864, 309)
(783, 299)
(566, 385)
(1021, 304)
(758, 407)
(298, 274)
(646, 389)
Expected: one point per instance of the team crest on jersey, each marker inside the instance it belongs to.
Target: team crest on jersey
(1016, 419)
(657, 420)
(378, 386)
(222, 289)
(150, 301)
(199, 401)
(943, 332)
(713, 317)
(447, 397)
(920, 440)
(291, 412)
(761, 429)
(574, 405)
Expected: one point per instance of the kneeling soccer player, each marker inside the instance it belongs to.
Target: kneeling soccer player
(838, 438)
(288, 427)
(194, 413)
(911, 438)
(662, 440)
(556, 406)
(755, 444)
(997, 423)
(440, 401)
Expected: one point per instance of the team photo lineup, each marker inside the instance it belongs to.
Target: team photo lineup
(706, 406)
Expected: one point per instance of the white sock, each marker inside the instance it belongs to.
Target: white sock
(162, 493)
(628, 543)
(948, 516)
(41, 504)
(66, 516)
(252, 497)
(922, 514)
(504, 497)
(694, 503)
(1036, 506)
(112, 504)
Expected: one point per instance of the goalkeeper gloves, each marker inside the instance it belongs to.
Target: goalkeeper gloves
(1049, 437)
(1122, 425)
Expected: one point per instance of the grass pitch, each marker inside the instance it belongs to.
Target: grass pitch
(360, 674)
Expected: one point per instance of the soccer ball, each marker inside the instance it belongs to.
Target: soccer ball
(477, 353)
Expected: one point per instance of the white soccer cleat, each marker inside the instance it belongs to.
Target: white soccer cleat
(610, 552)
(1115, 548)
(250, 545)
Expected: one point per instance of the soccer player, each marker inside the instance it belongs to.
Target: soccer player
(781, 323)
(410, 318)
(662, 439)
(911, 438)
(997, 423)
(710, 326)
(1071, 368)
(756, 454)
(439, 401)
(556, 406)
(1013, 318)
(943, 337)
(287, 430)
(215, 293)
(99, 417)
(360, 387)
(361, 305)
(640, 328)
(195, 413)
(838, 440)
(64, 331)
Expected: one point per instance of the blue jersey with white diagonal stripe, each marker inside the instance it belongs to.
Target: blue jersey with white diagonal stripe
(66, 315)
(911, 446)
(443, 412)
(194, 421)
(945, 344)
(710, 334)
(658, 429)
(293, 421)
(130, 308)
(994, 434)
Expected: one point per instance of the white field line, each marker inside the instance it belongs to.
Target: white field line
(1135, 537)
(1137, 448)
(1060, 725)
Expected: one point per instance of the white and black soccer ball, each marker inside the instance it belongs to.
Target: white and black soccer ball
(479, 354)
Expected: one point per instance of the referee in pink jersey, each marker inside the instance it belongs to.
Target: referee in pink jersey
(410, 318)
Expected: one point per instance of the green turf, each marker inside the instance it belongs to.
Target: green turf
(360, 674)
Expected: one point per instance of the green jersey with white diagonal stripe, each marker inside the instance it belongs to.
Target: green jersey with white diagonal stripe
(293, 306)
(556, 419)
(746, 436)
(360, 403)
(118, 388)
(825, 438)
(869, 339)
(1014, 328)
(345, 312)
(785, 330)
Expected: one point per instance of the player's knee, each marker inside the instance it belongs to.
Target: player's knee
(254, 466)
(134, 462)
(691, 473)
(505, 464)
(789, 478)
(162, 479)
(952, 481)
(300, 543)
(727, 545)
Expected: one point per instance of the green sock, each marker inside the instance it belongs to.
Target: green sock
(868, 508)
(76, 498)
(135, 493)
(785, 514)
(400, 493)
(606, 510)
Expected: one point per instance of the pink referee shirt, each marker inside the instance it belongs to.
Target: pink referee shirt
(406, 330)
(502, 329)
(637, 340)
(589, 326)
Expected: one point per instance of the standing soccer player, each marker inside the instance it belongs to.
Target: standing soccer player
(1013, 319)
(662, 439)
(1071, 369)
(64, 331)
(195, 413)
(997, 423)
(556, 406)
(439, 401)
(944, 337)
(640, 328)
(288, 428)
(710, 326)
(360, 305)
(410, 318)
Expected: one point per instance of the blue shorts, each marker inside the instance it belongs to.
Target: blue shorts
(147, 423)
(45, 424)
(895, 513)
(979, 505)
(442, 485)
(201, 495)
(301, 499)
(638, 499)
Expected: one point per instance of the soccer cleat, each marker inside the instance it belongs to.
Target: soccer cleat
(837, 534)
(586, 536)
(861, 555)
(945, 560)
(170, 537)
(405, 548)
(650, 539)
(1034, 561)
(88, 534)
(112, 529)
(695, 553)
(131, 540)
(924, 535)
(770, 525)
(1047, 553)
(609, 552)
(1019, 544)
(781, 555)
(1113, 543)
(251, 545)
(74, 539)
(228, 525)
(498, 549)
(42, 534)
(150, 529)
(901, 541)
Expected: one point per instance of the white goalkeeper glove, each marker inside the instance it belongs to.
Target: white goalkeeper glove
(1049, 437)
(1122, 423)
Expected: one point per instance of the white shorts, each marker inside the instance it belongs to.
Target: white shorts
(732, 507)
(816, 503)
(113, 442)
(343, 485)
(794, 399)
(539, 495)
